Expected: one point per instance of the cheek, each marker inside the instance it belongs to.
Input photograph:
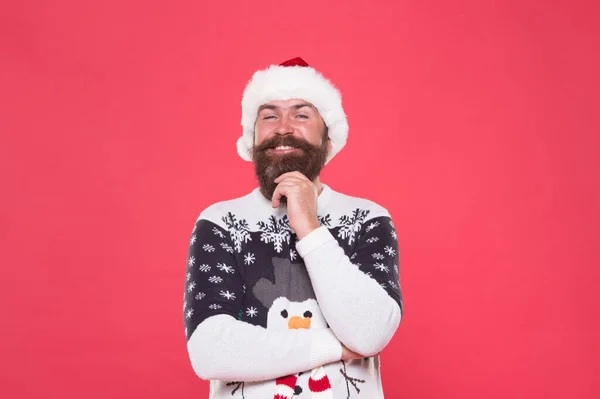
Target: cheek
(313, 133)
(260, 132)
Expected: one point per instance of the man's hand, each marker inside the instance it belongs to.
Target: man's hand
(301, 194)
(347, 354)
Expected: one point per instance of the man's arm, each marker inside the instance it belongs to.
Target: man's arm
(360, 297)
(220, 346)
(223, 348)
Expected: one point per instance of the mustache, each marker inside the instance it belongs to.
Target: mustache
(289, 141)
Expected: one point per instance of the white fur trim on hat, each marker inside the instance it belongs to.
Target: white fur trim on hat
(288, 82)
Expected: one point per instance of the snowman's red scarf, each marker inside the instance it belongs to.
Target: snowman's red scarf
(318, 383)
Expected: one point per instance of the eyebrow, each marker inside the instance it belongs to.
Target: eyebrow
(274, 107)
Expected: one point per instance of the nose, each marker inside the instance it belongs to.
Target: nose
(297, 322)
(284, 127)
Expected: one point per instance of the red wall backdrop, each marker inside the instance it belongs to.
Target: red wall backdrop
(474, 122)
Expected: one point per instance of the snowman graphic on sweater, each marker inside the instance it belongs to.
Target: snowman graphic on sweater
(292, 305)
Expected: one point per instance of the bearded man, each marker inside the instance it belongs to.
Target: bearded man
(292, 290)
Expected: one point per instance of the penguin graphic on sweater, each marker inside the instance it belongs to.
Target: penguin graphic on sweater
(292, 305)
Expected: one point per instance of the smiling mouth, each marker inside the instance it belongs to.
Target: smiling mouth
(283, 149)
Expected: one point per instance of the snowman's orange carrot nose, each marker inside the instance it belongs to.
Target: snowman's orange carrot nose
(297, 322)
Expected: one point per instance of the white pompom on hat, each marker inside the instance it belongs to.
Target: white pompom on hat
(292, 79)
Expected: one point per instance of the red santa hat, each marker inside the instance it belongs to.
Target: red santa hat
(292, 79)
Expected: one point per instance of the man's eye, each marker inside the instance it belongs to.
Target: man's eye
(302, 116)
(269, 117)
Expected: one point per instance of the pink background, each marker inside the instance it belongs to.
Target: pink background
(474, 122)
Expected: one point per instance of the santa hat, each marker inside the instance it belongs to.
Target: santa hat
(292, 79)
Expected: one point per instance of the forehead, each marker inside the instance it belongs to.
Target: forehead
(285, 104)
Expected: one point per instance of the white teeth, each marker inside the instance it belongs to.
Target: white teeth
(283, 147)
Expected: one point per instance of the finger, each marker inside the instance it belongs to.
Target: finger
(296, 181)
(275, 199)
(292, 180)
(294, 173)
(281, 190)
(287, 188)
(300, 184)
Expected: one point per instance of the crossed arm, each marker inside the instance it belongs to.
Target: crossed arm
(362, 305)
(359, 311)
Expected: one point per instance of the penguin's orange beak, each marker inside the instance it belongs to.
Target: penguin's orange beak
(297, 322)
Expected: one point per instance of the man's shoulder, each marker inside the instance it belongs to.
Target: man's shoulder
(349, 217)
(218, 212)
(353, 206)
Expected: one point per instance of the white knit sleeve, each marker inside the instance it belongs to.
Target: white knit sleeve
(223, 348)
(360, 298)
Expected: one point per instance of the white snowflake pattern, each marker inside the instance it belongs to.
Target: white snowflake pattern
(377, 255)
(191, 261)
(184, 305)
(227, 247)
(225, 268)
(275, 231)
(194, 229)
(238, 230)
(390, 251)
(396, 268)
(382, 285)
(186, 331)
(227, 295)
(204, 268)
(394, 235)
(382, 267)
(215, 306)
(358, 264)
(200, 295)
(188, 276)
(191, 286)
(193, 240)
(189, 313)
(392, 284)
(218, 232)
(249, 258)
(351, 225)
(208, 248)
(392, 224)
(244, 288)
(215, 279)
(372, 226)
(372, 240)
(325, 220)
(353, 256)
(251, 311)
(369, 274)
(293, 254)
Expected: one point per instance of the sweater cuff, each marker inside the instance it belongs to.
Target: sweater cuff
(313, 240)
(325, 347)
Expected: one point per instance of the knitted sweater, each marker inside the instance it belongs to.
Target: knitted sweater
(266, 315)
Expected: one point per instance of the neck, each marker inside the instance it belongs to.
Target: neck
(318, 185)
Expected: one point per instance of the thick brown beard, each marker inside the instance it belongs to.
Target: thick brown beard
(270, 166)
